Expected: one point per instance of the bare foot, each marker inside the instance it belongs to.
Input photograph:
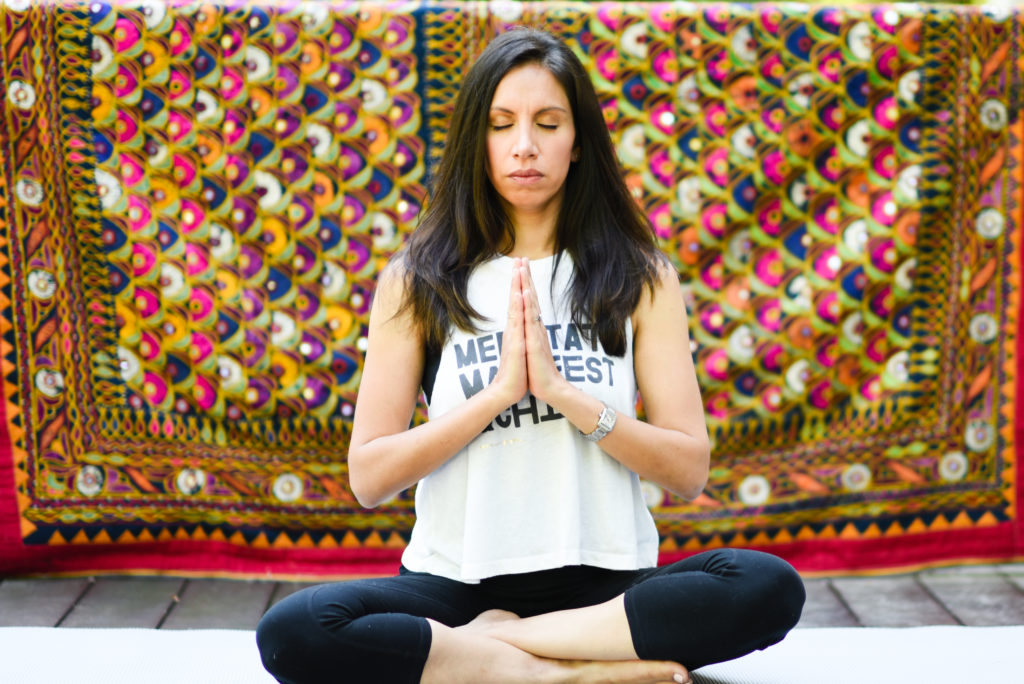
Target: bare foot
(591, 671)
(493, 660)
(624, 672)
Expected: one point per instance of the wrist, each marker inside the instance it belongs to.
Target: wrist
(498, 397)
(559, 395)
(605, 424)
(581, 409)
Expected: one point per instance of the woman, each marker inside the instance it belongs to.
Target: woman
(530, 305)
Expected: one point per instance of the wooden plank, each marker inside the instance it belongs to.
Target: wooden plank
(823, 608)
(220, 604)
(898, 601)
(977, 598)
(987, 570)
(38, 602)
(1014, 572)
(1016, 580)
(982, 595)
(125, 602)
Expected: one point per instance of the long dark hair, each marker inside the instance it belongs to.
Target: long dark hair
(600, 226)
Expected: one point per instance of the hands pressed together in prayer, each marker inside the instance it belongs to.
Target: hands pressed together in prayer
(526, 359)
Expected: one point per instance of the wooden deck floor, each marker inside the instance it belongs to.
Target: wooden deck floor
(968, 595)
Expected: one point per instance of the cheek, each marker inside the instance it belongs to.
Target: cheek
(569, 146)
(492, 154)
(568, 151)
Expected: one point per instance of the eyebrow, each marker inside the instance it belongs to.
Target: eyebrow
(544, 110)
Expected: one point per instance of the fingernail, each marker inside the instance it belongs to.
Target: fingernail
(680, 678)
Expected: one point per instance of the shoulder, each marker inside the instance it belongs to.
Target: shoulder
(395, 272)
(663, 276)
(665, 298)
(390, 296)
(664, 271)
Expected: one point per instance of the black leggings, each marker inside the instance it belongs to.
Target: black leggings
(705, 609)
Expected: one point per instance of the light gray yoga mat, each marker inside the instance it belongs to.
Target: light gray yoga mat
(42, 655)
(925, 655)
(858, 655)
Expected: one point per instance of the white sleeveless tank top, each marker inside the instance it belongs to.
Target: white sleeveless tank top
(529, 493)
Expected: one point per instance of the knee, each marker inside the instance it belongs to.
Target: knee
(272, 635)
(781, 592)
(282, 637)
(794, 593)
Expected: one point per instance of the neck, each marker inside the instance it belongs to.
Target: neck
(534, 236)
(533, 252)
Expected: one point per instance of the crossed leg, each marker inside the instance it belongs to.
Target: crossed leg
(708, 608)
(705, 609)
(590, 645)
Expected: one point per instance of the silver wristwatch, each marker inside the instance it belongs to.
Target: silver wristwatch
(604, 425)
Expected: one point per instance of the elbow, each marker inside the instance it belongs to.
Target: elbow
(694, 477)
(363, 489)
(366, 497)
(691, 490)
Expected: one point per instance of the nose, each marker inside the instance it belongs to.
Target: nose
(524, 146)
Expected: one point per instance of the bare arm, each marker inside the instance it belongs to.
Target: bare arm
(672, 448)
(385, 456)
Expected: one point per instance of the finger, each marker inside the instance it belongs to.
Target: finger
(515, 296)
(515, 332)
(526, 274)
(513, 341)
(531, 304)
(524, 265)
(531, 310)
(530, 293)
(535, 333)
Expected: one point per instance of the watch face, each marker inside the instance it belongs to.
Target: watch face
(607, 421)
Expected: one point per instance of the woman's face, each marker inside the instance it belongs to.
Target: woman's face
(530, 142)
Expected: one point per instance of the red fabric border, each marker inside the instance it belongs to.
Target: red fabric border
(10, 520)
(1018, 427)
(835, 556)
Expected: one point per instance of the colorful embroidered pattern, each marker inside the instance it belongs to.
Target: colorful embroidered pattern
(196, 199)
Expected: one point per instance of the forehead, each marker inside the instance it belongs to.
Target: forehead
(531, 87)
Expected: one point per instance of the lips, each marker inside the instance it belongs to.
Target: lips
(526, 173)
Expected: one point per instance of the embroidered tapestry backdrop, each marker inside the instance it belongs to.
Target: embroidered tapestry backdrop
(195, 201)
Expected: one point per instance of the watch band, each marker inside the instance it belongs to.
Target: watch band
(605, 423)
